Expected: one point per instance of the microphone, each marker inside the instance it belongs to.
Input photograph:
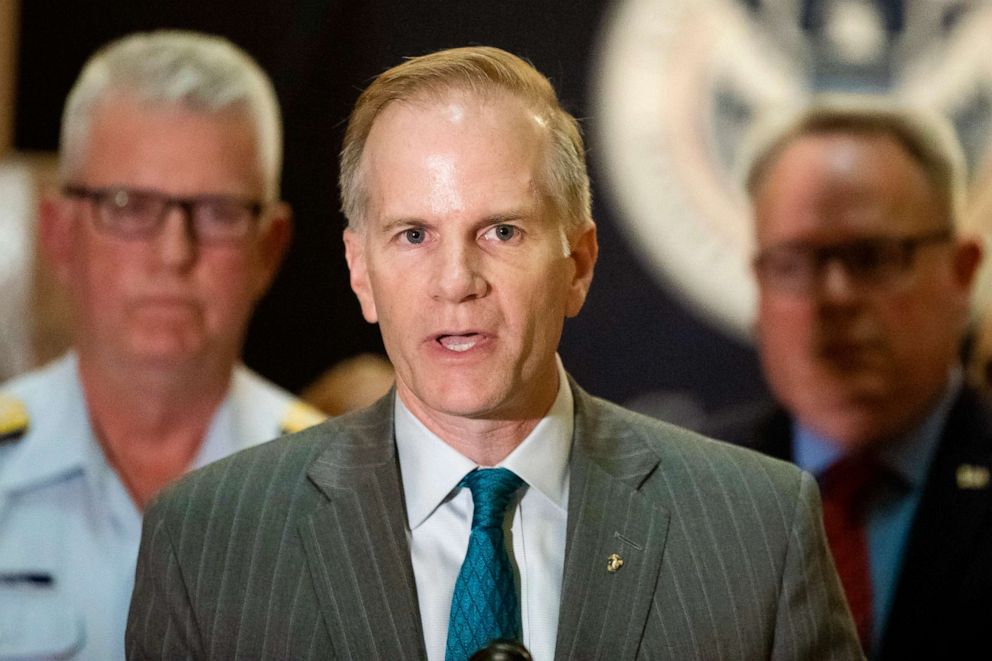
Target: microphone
(502, 650)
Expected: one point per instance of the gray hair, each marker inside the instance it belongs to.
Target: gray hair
(927, 136)
(198, 72)
(479, 70)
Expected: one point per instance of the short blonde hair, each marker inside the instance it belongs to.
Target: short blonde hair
(478, 70)
(926, 136)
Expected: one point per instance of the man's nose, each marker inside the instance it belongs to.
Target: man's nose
(175, 242)
(459, 276)
(835, 283)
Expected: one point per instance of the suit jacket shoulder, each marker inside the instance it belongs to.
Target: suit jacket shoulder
(290, 549)
(723, 549)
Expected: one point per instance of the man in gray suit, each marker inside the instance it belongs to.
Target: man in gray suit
(488, 477)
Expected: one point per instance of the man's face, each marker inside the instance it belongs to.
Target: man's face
(460, 260)
(860, 361)
(163, 300)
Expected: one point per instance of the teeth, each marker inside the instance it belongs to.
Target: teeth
(458, 343)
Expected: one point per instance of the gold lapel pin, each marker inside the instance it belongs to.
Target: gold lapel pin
(970, 476)
(614, 563)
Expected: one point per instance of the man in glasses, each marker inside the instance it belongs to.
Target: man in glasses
(865, 289)
(167, 231)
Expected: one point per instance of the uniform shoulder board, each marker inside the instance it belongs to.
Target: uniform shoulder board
(300, 415)
(13, 419)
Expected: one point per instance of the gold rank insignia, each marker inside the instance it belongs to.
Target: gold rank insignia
(13, 419)
(970, 476)
(299, 416)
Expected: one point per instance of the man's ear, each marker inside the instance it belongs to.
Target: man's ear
(56, 235)
(354, 253)
(967, 258)
(585, 249)
(271, 247)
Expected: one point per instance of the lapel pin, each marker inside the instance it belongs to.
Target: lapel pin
(970, 476)
(614, 563)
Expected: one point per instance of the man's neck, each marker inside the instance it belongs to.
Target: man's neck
(486, 442)
(151, 420)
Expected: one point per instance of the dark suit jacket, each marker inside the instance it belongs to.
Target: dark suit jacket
(942, 605)
(297, 549)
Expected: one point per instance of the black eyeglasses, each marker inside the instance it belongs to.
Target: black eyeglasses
(139, 214)
(796, 267)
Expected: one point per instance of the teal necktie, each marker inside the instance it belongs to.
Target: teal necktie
(484, 606)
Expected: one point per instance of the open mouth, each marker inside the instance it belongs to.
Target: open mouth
(459, 343)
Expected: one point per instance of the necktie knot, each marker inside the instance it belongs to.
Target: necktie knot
(849, 482)
(492, 489)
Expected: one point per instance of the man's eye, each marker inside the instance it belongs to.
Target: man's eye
(503, 232)
(414, 235)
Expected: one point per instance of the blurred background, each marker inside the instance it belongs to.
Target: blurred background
(665, 90)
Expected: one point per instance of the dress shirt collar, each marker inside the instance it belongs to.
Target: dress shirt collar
(816, 453)
(431, 469)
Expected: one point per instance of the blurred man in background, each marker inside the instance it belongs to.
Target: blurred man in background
(864, 300)
(167, 231)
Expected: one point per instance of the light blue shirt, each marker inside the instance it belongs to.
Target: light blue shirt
(69, 531)
(890, 513)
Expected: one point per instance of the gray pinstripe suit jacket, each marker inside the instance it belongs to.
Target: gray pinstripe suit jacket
(297, 549)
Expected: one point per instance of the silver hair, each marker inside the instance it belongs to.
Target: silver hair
(195, 71)
(927, 136)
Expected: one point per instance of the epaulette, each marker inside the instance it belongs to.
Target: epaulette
(13, 419)
(299, 416)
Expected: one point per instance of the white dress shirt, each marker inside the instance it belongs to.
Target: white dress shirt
(440, 519)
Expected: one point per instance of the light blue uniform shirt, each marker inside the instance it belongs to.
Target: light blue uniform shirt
(890, 514)
(69, 531)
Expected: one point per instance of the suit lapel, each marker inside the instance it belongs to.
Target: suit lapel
(603, 613)
(356, 543)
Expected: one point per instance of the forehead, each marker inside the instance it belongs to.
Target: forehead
(170, 148)
(478, 146)
(844, 183)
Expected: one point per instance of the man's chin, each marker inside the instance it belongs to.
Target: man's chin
(854, 422)
(458, 398)
(469, 406)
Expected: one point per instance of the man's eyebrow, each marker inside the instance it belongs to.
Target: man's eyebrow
(508, 216)
(401, 223)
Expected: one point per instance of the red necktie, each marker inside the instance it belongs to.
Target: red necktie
(846, 487)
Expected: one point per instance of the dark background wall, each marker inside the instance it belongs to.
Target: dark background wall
(633, 337)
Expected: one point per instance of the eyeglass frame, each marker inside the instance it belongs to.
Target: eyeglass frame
(99, 198)
(903, 250)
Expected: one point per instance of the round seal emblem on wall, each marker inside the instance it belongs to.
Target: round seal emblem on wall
(679, 84)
